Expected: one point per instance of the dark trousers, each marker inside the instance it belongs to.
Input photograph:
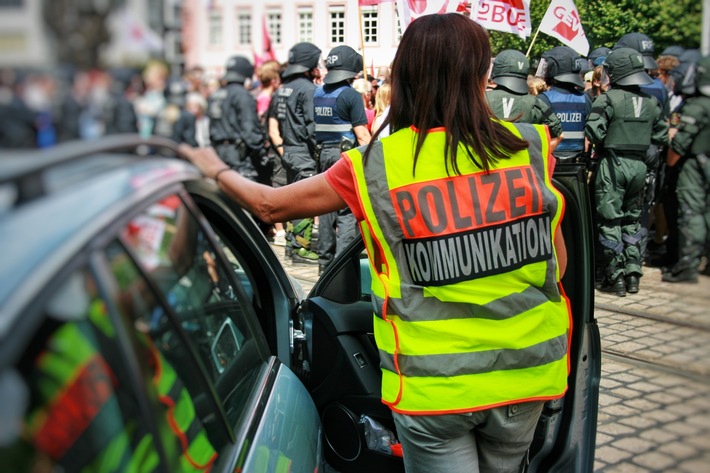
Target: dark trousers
(337, 229)
(693, 192)
(619, 198)
(298, 164)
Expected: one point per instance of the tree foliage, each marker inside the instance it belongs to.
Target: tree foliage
(666, 22)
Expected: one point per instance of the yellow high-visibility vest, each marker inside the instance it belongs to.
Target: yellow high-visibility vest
(469, 312)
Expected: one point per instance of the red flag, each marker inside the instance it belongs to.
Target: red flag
(268, 50)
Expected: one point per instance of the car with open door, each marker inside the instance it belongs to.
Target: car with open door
(146, 323)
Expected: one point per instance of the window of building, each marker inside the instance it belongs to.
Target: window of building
(370, 25)
(243, 28)
(305, 24)
(215, 29)
(273, 24)
(337, 24)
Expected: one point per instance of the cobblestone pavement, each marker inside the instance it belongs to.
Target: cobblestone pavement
(654, 409)
(654, 402)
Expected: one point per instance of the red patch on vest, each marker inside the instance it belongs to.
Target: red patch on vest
(73, 410)
(461, 203)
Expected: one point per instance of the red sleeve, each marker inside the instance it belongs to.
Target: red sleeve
(341, 178)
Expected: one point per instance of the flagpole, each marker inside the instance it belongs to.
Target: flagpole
(362, 42)
(527, 55)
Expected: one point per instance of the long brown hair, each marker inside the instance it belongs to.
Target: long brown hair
(438, 80)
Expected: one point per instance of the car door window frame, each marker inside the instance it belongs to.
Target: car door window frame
(111, 235)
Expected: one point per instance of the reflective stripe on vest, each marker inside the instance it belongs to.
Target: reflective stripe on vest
(468, 311)
(571, 109)
(631, 125)
(197, 451)
(330, 127)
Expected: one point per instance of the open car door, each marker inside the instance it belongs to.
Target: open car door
(343, 372)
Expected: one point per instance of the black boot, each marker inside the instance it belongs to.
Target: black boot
(616, 287)
(632, 283)
(685, 275)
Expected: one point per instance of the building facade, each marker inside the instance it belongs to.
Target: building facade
(213, 30)
(138, 30)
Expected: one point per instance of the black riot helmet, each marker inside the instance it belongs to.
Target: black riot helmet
(597, 55)
(510, 70)
(562, 64)
(682, 77)
(702, 77)
(343, 63)
(696, 79)
(302, 58)
(625, 66)
(673, 50)
(238, 69)
(642, 44)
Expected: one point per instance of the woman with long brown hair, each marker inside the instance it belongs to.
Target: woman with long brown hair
(461, 222)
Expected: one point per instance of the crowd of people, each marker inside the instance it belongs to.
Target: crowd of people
(640, 127)
(317, 145)
(640, 122)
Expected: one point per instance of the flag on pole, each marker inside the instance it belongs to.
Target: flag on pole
(369, 3)
(410, 10)
(509, 16)
(267, 49)
(562, 21)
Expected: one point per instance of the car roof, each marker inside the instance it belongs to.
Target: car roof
(52, 203)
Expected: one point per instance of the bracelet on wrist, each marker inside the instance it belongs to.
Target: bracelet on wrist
(216, 176)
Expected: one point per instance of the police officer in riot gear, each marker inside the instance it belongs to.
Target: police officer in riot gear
(644, 45)
(295, 137)
(623, 123)
(235, 131)
(690, 151)
(561, 67)
(173, 121)
(511, 99)
(341, 124)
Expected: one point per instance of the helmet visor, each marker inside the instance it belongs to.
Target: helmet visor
(688, 85)
(542, 68)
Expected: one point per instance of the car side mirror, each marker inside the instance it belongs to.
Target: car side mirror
(225, 346)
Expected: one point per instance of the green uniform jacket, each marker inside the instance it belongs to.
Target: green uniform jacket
(693, 136)
(626, 120)
(523, 109)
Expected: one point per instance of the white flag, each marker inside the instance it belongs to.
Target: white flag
(561, 21)
(510, 16)
(410, 10)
